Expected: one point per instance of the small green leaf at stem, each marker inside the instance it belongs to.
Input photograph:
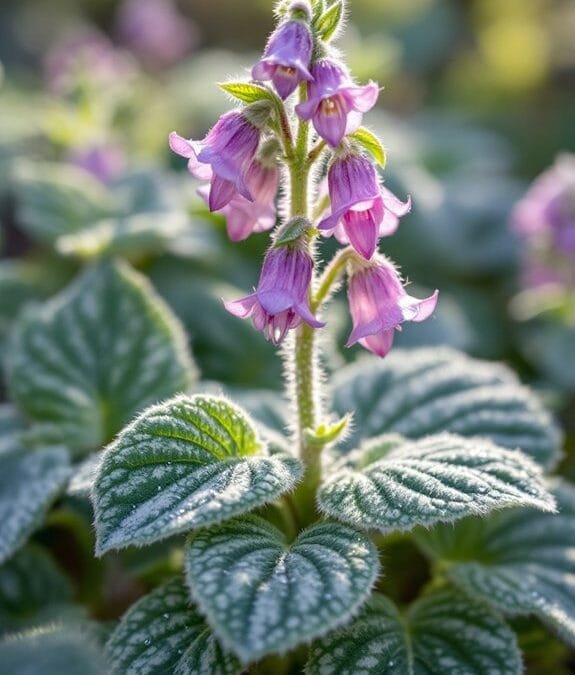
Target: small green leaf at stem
(371, 143)
(330, 21)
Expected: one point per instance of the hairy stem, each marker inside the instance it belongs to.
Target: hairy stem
(330, 277)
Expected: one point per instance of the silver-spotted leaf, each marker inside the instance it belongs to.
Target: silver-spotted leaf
(443, 633)
(190, 462)
(32, 589)
(426, 391)
(30, 481)
(262, 595)
(164, 633)
(438, 478)
(521, 561)
(53, 649)
(84, 363)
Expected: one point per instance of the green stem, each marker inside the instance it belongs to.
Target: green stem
(330, 277)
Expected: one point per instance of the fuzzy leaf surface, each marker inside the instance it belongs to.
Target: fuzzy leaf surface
(52, 649)
(32, 587)
(370, 142)
(85, 362)
(521, 561)
(190, 462)
(261, 595)
(330, 21)
(421, 392)
(438, 478)
(164, 633)
(444, 633)
(30, 481)
(249, 92)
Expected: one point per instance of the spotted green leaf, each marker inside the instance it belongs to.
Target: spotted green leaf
(420, 392)
(163, 633)
(30, 481)
(370, 142)
(520, 561)
(81, 365)
(53, 649)
(32, 589)
(262, 595)
(444, 633)
(189, 462)
(439, 478)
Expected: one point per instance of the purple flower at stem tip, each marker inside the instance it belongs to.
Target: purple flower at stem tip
(286, 58)
(281, 300)
(379, 304)
(244, 217)
(335, 103)
(361, 209)
(223, 157)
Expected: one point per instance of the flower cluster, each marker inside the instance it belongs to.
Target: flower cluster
(240, 163)
(545, 218)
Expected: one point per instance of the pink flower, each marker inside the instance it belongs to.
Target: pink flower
(361, 209)
(223, 157)
(379, 304)
(286, 58)
(244, 217)
(156, 31)
(334, 102)
(106, 161)
(281, 300)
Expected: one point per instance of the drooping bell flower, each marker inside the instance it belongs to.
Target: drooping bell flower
(244, 217)
(546, 214)
(361, 209)
(286, 58)
(335, 103)
(281, 299)
(379, 304)
(223, 157)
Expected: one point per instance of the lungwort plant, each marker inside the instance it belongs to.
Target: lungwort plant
(393, 517)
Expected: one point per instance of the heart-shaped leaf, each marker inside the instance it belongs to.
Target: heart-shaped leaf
(439, 478)
(163, 633)
(443, 633)
(189, 462)
(420, 392)
(29, 482)
(84, 363)
(262, 595)
(520, 561)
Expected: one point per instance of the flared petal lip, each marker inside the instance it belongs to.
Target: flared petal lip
(190, 150)
(423, 308)
(360, 98)
(365, 329)
(264, 67)
(243, 307)
(276, 301)
(303, 310)
(329, 222)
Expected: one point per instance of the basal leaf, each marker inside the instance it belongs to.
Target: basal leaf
(32, 587)
(262, 595)
(521, 561)
(190, 462)
(439, 478)
(370, 142)
(29, 482)
(84, 363)
(52, 649)
(443, 633)
(164, 633)
(426, 391)
(56, 199)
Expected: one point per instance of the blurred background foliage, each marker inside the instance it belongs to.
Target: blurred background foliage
(478, 99)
